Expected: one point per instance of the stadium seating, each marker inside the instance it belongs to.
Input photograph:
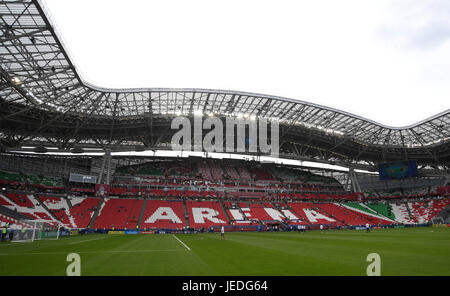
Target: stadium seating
(10, 177)
(44, 181)
(119, 190)
(384, 209)
(261, 174)
(119, 213)
(216, 171)
(258, 212)
(82, 210)
(232, 173)
(401, 214)
(27, 206)
(367, 213)
(13, 223)
(163, 214)
(149, 170)
(157, 193)
(424, 211)
(203, 168)
(235, 212)
(311, 213)
(350, 217)
(21, 200)
(60, 209)
(243, 173)
(247, 194)
(4, 202)
(205, 214)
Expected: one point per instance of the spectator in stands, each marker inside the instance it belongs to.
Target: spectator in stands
(4, 231)
(11, 234)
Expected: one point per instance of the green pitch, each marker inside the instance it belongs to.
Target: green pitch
(418, 251)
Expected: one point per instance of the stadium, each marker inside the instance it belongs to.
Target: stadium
(92, 171)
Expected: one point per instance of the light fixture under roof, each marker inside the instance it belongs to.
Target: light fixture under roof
(16, 80)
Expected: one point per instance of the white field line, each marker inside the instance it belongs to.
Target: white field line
(88, 240)
(95, 252)
(181, 242)
(47, 241)
(196, 239)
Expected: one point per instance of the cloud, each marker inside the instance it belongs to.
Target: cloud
(419, 25)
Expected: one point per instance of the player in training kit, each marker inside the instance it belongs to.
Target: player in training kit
(222, 232)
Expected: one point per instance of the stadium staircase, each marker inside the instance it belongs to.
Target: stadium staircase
(360, 215)
(382, 210)
(295, 213)
(329, 214)
(370, 219)
(408, 209)
(131, 218)
(224, 210)
(229, 207)
(24, 178)
(361, 207)
(238, 206)
(275, 206)
(95, 215)
(13, 214)
(50, 213)
(283, 224)
(401, 213)
(141, 215)
(68, 202)
(186, 215)
(370, 210)
(66, 186)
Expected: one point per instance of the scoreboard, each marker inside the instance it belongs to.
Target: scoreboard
(397, 170)
(82, 178)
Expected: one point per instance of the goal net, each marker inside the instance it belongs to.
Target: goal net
(33, 230)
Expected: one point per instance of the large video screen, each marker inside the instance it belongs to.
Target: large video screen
(82, 178)
(397, 170)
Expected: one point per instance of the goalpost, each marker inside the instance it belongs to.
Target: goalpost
(33, 230)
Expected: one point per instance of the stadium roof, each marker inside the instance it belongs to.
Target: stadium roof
(44, 99)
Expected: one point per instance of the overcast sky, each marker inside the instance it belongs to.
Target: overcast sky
(388, 61)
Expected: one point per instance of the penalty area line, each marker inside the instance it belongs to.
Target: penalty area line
(181, 242)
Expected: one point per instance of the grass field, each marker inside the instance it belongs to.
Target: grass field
(414, 251)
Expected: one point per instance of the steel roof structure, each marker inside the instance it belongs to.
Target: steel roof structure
(44, 102)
